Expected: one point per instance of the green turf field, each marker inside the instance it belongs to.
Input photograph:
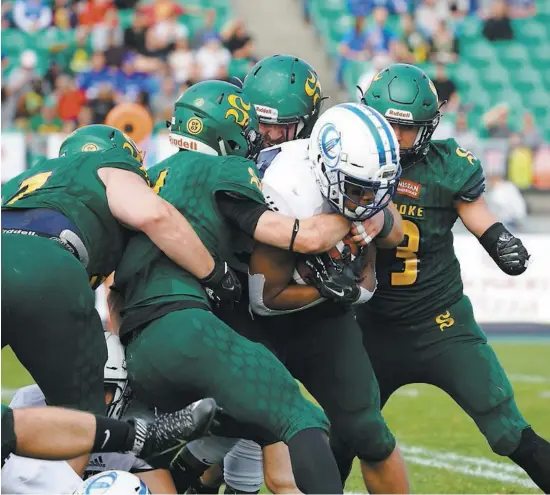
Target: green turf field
(445, 452)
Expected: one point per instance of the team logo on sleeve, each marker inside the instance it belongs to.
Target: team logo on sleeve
(254, 180)
(330, 145)
(194, 126)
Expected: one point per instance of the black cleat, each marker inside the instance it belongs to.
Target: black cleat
(166, 436)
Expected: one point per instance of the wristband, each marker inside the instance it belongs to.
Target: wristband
(295, 230)
(389, 220)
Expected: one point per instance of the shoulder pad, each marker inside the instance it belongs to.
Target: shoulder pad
(265, 158)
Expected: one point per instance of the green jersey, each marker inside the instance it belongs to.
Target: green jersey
(71, 186)
(189, 181)
(421, 277)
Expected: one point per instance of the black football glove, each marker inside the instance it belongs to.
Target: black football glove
(222, 286)
(507, 251)
(512, 257)
(334, 280)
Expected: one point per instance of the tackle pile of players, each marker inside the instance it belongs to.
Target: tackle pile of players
(276, 245)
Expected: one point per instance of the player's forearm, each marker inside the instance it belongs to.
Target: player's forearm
(293, 297)
(396, 235)
(320, 233)
(476, 216)
(175, 236)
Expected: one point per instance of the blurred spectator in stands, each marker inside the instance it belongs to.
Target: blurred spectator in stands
(415, 47)
(7, 15)
(161, 119)
(520, 9)
(446, 88)
(182, 62)
(235, 36)
(115, 53)
(497, 26)
(376, 64)
(444, 46)
(352, 47)
(9, 109)
(365, 7)
(505, 200)
(532, 136)
(167, 31)
(47, 121)
(161, 10)
(69, 98)
(130, 82)
(166, 97)
(99, 74)
(135, 35)
(22, 76)
(65, 16)
(212, 59)
(125, 4)
(93, 12)
(31, 99)
(81, 57)
(103, 31)
(207, 30)
(380, 39)
(519, 161)
(464, 136)
(427, 16)
(85, 116)
(242, 61)
(495, 121)
(32, 16)
(102, 103)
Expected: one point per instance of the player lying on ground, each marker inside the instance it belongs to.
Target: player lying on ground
(176, 347)
(56, 433)
(25, 475)
(419, 326)
(65, 224)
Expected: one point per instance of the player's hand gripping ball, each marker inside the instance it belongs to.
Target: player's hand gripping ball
(113, 483)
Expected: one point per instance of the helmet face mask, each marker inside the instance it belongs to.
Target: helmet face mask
(355, 158)
(115, 378)
(407, 97)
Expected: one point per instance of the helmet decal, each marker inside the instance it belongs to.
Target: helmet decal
(312, 87)
(330, 145)
(194, 125)
(239, 110)
(90, 147)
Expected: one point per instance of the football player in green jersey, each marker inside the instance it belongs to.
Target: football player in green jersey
(65, 224)
(177, 348)
(419, 326)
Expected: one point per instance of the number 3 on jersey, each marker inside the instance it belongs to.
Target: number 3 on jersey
(409, 253)
(30, 185)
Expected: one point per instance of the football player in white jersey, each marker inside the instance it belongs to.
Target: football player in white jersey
(25, 475)
(350, 164)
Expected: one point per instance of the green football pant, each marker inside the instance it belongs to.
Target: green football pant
(50, 321)
(451, 352)
(190, 354)
(322, 348)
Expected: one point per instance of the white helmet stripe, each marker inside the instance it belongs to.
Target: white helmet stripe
(390, 135)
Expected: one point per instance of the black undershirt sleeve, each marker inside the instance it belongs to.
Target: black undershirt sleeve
(241, 211)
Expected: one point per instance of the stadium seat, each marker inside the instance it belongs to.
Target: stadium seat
(512, 54)
(526, 79)
(529, 31)
(540, 55)
(471, 28)
(339, 27)
(14, 41)
(538, 102)
(494, 77)
(479, 54)
(465, 76)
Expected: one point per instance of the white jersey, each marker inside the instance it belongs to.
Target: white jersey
(23, 475)
(290, 187)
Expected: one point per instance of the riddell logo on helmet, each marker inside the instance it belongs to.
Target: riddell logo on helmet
(267, 112)
(183, 143)
(399, 114)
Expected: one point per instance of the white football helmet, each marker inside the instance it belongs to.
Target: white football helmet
(355, 156)
(113, 483)
(115, 376)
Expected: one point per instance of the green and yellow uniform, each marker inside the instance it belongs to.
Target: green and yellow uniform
(419, 327)
(177, 349)
(59, 241)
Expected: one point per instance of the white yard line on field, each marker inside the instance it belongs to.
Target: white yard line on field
(479, 467)
(520, 378)
(407, 392)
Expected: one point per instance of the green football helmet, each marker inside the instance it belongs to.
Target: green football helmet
(406, 96)
(216, 118)
(99, 137)
(285, 90)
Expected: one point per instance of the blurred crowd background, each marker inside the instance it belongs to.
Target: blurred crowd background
(67, 63)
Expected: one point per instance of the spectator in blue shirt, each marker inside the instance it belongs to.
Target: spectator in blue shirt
(365, 7)
(32, 15)
(130, 83)
(380, 39)
(352, 46)
(91, 80)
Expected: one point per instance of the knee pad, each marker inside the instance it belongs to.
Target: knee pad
(243, 467)
(211, 450)
(366, 434)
